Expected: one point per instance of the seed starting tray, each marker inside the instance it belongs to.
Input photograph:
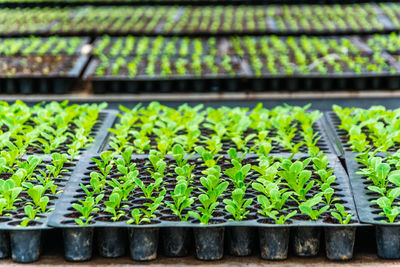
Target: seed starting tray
(63, 216)
(368, 212)
(99, 132)
(27, 83)
(323, 143)
(339, 137)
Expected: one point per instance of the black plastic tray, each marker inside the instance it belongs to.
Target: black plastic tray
(23, 251)
(387, 234)
(78, 51)
(339, 137)
(66, 3)
(100, 134)
(306, 233)
(324, 143)
(272, 29)
(57, 218)
(113, 84)
(28, 84)
(246, 81)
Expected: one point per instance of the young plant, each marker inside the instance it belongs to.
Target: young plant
(296, 176)
(309, 207)
(86, 208)
(282, 219)
(182, 200)
(237, 205)
(138, 217)
(214, 189)
(39, 200)
(113, 204)
(30, 215)
(105, 163)
(10, 192)
(340, 214)
(272, 196)
(238, 172)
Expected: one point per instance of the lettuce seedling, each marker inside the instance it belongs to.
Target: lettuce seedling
(147, 190)
(214, 189)
(237, 205)
(189, 140)
(213, 144)
(105, 163)
(125, 188)
(178, 153)
(296, 177)
(137, 217)
(113, 204)
(10, 192)
(357, 139)
(262, 147)
(281, 219)
(19, 177)
(3, 205)
(182, 200)
(320, 165)
(242, 142)
(30, 165)
(37, 194)
(307, 207)
(377, 172)
(58, 161)
(238, 173)
(272, 197)
(340, 214)
(328, 192)
(185, 173)
(30, 215)
(124, 164)
(267, 170)
(389, 211)
(207, 157)
(97, 182)
(87, 207)
(153, 207)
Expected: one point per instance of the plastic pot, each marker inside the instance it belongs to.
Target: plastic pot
(306, 241)
(274, 242)
(339, 242)
(143, 243)
(241, 240)
(209, 242)
(78, 243)
(388, 241)
(176, 241)
(111, 241)
(25, 245)
(4, 244)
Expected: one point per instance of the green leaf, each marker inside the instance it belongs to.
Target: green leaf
(394, 177)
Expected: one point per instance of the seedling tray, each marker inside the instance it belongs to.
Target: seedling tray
(387, 234)
(306, 233)
(245, 80)
(16, 236)
(219, 83)
(339, 137)
(381, 23)
(66, 3)
(27, 42)
(323, 143)
(179, 83)
(53, 83)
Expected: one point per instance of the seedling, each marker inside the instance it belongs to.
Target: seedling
(341, 214)
(237, 205)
